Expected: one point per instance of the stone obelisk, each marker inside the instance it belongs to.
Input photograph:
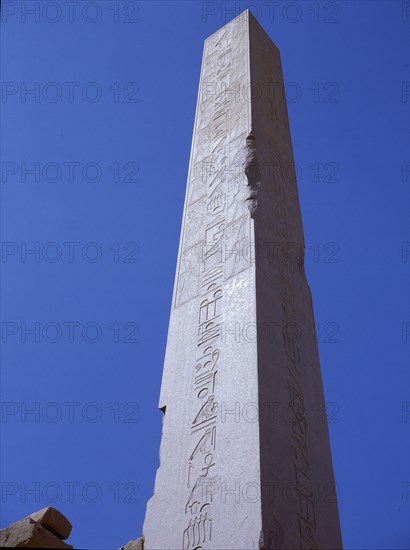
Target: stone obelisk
(245, 458)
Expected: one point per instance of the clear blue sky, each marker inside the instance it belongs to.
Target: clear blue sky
(94, 166)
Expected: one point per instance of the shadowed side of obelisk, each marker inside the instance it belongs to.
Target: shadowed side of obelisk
(299, 505)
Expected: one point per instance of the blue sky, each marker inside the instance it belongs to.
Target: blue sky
(94, 166)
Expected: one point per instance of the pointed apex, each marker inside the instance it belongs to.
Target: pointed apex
(246, 18)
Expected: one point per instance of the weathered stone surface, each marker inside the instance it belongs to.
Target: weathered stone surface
(134, 545)
(29, 534)
(54, 521)
(245, 458)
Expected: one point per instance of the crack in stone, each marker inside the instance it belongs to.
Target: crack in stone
(253, 174)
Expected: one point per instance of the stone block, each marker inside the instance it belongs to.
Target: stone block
(29, 534)
(54, 521)
(134, 545)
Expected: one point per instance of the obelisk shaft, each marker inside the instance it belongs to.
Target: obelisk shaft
(244, 463)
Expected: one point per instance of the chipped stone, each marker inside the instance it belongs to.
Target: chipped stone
(29, 534)
(54, 521)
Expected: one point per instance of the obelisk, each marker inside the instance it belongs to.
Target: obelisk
(245, 460)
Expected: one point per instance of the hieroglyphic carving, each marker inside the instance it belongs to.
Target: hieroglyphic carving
(238, 252)
(188, 280)
(217, 184)
(195, 216)
(300, 466)
(201, 462)
(222, 198)
(199, 531)
(218, 196)
(206, 412)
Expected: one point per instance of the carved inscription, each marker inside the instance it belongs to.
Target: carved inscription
(216, 213)
(215, 220)
(300, 466)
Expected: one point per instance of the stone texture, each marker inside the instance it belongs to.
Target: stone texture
(134, 545)
(245, 458)
(54, 521)
(29, 534)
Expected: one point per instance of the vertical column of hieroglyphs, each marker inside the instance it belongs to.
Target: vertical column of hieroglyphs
(216, 227)
(289, 259)
(215, 233)
(294, 371)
